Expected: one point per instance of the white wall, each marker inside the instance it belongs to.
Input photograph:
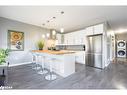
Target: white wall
(31, 35)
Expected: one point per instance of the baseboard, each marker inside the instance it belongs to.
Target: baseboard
(12, 65)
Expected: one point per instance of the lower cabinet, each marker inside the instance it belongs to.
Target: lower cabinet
(80, 57)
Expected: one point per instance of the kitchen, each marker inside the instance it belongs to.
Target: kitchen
(63, 52)
(78, 41)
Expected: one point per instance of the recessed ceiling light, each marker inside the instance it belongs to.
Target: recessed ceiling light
(53, 17)
(62, 12)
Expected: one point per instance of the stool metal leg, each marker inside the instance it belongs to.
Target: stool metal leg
(37, 67)
(34, 61)
(51, 76)
(43, 71)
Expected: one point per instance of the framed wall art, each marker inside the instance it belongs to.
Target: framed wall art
(15, 40)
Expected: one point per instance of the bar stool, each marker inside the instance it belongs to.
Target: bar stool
(43, 71)
(51, 76)
(34, 60)
(37, 63)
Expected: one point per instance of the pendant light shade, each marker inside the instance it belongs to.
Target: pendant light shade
(62, 30)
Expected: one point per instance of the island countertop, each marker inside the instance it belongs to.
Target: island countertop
(54, 52)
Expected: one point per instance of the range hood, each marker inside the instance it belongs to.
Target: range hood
(52, 34)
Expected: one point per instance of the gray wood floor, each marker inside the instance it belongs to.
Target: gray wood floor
(112, 77)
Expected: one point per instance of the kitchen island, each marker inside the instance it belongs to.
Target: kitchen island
(64, 63)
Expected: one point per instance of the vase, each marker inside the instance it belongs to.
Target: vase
(40, 48)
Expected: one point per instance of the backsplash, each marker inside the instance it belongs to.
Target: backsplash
(72, 47)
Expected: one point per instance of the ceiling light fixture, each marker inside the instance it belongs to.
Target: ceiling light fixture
(62, 30)
(43, 36)
(47, 35)
(54, 17)
(62, 12)
(50, 20)
(53, 32)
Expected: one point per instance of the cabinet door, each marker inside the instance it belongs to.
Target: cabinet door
(65, 38)
(81, 37)
(73, 38)
(98, 29)
(77, 40)
(77, 37)
(89, 31)
(58, 36)
(80, 57)
(70, 38)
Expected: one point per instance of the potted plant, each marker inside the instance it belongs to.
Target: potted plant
(3, 55)
(40, 44)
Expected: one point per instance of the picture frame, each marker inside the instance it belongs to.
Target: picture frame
(15, 40)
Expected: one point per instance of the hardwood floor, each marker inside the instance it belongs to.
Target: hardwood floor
(112, 77)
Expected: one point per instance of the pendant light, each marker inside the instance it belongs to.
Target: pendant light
(62, 30)
(53, 32)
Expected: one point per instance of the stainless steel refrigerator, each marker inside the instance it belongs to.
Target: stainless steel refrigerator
(94, 51)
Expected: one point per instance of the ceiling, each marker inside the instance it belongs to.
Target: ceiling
(74, 17)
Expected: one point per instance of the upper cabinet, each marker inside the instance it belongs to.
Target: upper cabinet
(98, 29)
(79, 37)
(89, 30)
(93, 30)
(66, 38)
(58, 38)
(75, 38)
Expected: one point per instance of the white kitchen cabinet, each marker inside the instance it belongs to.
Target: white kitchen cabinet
(75, 38)
(58, 37)
(70, 38)
(93, 30)
(66, 39)
(89, 30)
(79, 37)
(98, 29)
(80, 57)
